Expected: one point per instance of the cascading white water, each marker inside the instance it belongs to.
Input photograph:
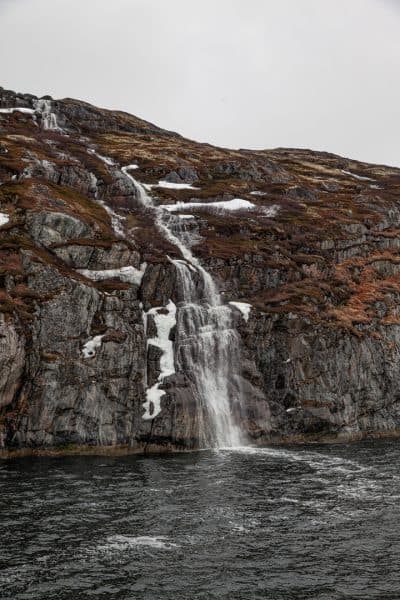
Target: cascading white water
(207, 349)
(206, 346)
(49, 119)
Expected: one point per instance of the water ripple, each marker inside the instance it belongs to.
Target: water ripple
(318, 522)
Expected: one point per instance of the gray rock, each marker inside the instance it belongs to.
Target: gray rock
(319, 353)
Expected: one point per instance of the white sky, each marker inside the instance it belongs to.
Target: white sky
(321, 74)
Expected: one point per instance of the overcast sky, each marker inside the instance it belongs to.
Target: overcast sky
(320, 74)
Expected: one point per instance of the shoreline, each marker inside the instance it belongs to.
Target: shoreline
(154, 449)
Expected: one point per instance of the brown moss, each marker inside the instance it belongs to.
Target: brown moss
(112, 285)
(50, 357)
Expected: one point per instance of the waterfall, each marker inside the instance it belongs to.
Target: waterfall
(207, 349)
(49, 119)
(207, 345)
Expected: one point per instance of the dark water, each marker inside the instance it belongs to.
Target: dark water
(318, 522)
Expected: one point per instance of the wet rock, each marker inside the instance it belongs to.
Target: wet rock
(318, 350)
(158, 285)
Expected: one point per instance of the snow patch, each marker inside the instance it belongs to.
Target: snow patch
(127, 274)
(244, 308)
(164, 322)
(174, 186)
(257, 193)
(186, 216)
(357, 176)
(8, 111)
(89, 349)
(129, 167)
(3, 218)
(235, 204)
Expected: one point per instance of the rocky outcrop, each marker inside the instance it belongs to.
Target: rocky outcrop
(84, 263)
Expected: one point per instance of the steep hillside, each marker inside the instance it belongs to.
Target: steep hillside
(99, 209)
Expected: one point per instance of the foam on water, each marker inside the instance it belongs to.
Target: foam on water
(314, 459)
(265, 523)
(124, 542)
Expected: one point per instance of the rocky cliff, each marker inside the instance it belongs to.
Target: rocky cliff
(304, 244)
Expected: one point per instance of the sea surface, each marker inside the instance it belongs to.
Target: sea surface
(278, 523)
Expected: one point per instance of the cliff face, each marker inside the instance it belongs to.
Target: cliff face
(309, 240)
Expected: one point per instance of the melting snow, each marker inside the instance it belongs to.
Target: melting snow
(174, 186)
(244, 308)
(235, 204)
(3, 218)
(8, 111)
(257, 193)
(89, 349)
(127, 274)
(357, 176)
(164, 323)
(129, 167)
